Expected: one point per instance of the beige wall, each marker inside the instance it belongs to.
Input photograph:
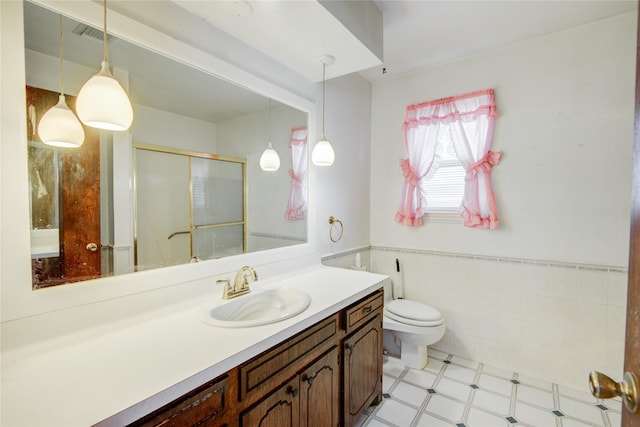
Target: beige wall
(535, 295)
(565, 126)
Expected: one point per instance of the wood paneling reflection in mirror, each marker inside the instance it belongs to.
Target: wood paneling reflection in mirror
(66, 179)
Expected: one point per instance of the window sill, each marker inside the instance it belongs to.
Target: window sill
(443, 217)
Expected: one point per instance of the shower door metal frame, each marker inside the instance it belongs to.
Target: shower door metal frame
(190, 154)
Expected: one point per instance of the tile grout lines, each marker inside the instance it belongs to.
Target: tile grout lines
(560, 409)
(513, 397)
(430, 392)
(389, 392)
(556, 404)
(472, 394)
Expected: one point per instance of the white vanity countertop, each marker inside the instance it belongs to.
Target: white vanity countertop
(124, 373)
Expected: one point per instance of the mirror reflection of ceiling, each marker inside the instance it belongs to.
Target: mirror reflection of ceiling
(299, 33)
(192, 93)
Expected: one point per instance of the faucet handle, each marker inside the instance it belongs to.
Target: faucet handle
(226, 292)
(244, 284)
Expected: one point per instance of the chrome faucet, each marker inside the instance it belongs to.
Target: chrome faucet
(240, 283)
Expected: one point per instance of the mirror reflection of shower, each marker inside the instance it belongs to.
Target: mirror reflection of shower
(188, 206)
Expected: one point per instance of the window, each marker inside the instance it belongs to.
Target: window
(444, 190)
(448, 143)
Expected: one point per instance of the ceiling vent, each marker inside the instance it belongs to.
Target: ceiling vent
(91, 33)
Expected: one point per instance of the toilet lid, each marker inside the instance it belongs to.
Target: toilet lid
(413, 313)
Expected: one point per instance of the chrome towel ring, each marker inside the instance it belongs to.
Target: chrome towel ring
(332, 222)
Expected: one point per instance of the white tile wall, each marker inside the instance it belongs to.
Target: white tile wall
(538, 318)
(348, 258)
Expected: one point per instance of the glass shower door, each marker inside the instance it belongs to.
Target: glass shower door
(188, 206)
(218, 208)
(162, 209)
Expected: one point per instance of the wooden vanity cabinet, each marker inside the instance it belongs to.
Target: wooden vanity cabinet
(320, 392)
(310, 399)
(362, 357)
(281, 408)
(348, 377)
(208, 405)
(362, 370)
(359, 313)
(325, 376)
(264, 372)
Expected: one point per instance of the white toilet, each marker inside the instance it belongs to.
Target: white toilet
(409, 327)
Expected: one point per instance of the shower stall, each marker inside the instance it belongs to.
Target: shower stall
(188, 206)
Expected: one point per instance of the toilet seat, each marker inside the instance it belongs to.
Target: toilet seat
(413, 313)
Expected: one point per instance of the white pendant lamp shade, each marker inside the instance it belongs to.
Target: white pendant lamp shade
(102, 103)
(269, 161)
(323, 154)
(60, 127)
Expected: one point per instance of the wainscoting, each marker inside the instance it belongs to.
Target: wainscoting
(550, 320)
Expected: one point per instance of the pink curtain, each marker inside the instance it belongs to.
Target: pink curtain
(471, 135)
(420, 143)
(470, 119)
(297, 195)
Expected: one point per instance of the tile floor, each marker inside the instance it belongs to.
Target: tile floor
(452, 391)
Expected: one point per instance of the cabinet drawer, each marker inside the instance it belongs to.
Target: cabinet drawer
(275, 366)
(364, 310)
(203, 406)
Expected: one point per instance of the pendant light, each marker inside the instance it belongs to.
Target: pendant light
(102, 103)
(59, 126)
(323, 154)
(269, 160)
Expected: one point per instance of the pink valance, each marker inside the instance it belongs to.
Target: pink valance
(298, 136)
(460, 107)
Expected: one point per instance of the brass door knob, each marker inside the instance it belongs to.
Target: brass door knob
(603, 387)
(92, 247)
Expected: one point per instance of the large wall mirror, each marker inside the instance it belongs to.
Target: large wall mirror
(183, 185)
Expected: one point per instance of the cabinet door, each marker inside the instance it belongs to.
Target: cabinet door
(205, 406)
(265, 372)
(320, 392)
(279, 409)
(362, 370)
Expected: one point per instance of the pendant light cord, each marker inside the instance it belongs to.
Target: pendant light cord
(324, 67)
(105, 32)
(61, 64)
(269, 120)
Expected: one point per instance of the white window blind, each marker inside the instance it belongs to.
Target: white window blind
(444, 191)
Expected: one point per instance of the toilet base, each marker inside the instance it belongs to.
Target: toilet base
(413, 356)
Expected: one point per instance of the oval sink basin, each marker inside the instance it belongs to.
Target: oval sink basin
(257, 308)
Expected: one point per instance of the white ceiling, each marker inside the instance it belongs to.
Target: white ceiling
(419, 34)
